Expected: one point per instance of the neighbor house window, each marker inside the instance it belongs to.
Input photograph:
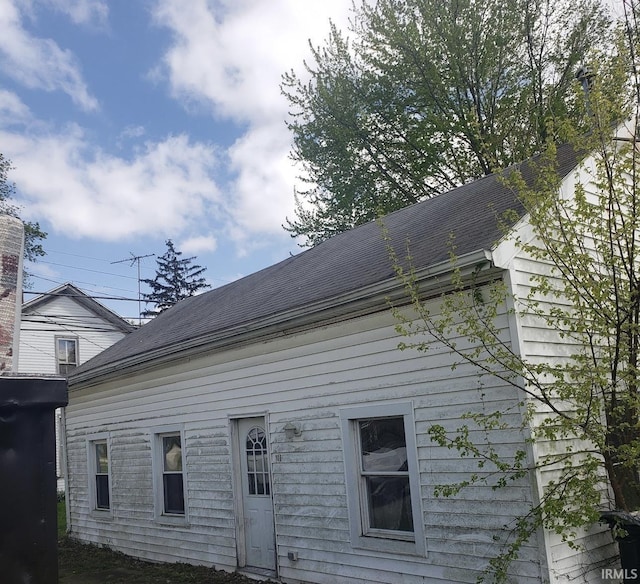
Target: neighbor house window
(382, 478)
(66, 355)
(170, 495)
(99, 474)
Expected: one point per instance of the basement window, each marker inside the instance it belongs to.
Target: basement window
(99, 474)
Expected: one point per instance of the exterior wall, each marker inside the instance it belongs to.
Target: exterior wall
(306, 378)
(538, 344)
(61, 316)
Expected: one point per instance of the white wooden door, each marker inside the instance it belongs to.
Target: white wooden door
(256, 494)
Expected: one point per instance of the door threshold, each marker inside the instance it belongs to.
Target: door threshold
(261, 574)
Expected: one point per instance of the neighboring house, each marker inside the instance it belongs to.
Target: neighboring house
(273, 426)
(61, 329)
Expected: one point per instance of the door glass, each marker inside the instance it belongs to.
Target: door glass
(257, 462)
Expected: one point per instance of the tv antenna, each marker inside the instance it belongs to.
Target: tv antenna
(134, 259)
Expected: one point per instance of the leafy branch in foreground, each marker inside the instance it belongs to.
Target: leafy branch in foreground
(579, 403)
(32, 231)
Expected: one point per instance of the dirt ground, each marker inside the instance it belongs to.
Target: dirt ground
(86, 564)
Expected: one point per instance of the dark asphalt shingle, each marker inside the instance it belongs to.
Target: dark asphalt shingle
(345, 263)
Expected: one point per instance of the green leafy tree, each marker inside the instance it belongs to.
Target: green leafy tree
(426, 95)
(33, 233)
(583, 407)
(176, 278)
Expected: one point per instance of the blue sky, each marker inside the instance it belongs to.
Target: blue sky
(130, 122)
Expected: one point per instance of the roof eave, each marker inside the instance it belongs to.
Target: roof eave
(365, 300)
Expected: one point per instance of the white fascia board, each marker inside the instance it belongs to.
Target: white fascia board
(522, 233)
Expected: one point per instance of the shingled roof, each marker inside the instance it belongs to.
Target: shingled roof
(68, 290)
(344, 264)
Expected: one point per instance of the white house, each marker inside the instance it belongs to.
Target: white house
(62, 329)
(272, 425)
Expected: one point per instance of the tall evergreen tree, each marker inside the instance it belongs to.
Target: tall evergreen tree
(176, 278)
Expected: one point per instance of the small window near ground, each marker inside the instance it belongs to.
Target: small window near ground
(383, 485)
(99, 474)
(66, 355)
(172, 477)
(102, 475)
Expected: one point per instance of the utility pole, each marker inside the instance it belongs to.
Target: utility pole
(134, 259)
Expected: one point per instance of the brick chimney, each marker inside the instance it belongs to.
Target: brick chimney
(11, 253)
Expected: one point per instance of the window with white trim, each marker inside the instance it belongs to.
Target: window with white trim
(383, 487)
(66, 355)
(170, 479)
(99, 474)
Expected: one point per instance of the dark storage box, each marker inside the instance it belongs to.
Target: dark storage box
(28, 520)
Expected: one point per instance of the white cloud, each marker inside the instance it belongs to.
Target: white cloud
(39, 63)
(45, 271)
(91, 12)
(228, 56)
(199, 244)
(133, 132)
(12, 109)
(231, 55)
(166, 188)
(263, 188)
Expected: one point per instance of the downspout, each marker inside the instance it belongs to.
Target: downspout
(64, 465)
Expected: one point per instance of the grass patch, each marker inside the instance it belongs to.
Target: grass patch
(80, 563)
(62, 517)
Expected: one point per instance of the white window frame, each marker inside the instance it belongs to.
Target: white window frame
(159, 470)
(59, 361)
(362, 535)
(92, 472)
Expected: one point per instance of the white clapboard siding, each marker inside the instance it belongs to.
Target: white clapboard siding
(61, 316)
(539, 344)
(303, 378)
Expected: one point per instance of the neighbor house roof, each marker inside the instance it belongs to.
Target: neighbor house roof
(36, 304)
(344, 267)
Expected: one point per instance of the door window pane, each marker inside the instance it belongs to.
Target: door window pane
(257, 462)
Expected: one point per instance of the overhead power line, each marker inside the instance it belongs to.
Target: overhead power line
(88, 269)
(94, 297)
(134, 259)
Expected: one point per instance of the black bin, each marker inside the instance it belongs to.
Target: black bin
(28, 520)
(628, 544)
